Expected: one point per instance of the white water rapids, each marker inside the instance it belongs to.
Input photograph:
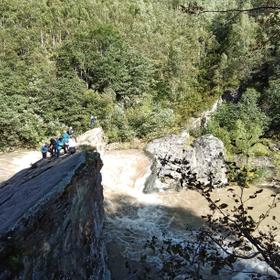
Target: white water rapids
(133, 217)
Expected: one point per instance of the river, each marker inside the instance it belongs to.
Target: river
(13, 162)
(133, 217)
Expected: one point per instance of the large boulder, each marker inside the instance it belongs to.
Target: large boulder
(177, 166)
(167, 145)
(208, 161)
(93, 138)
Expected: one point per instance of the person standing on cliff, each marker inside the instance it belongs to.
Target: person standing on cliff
(52, 147)
(72, 145)
(70, 131)
(58, 146)
(65, 138)
(44, 150)
(92, 120)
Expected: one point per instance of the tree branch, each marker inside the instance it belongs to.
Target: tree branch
(245, 257)
(273, 8)
(194, 9)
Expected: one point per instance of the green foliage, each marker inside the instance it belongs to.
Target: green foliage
(259, 150)
(220, 132)
(142, 67)
(18, 123)
(245, 137)
(148, 120)
(276, 161)
(272, 100)
(238, 59)
(260, 175)
(103, 60)
(239, 125)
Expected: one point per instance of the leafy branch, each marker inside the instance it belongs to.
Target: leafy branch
(243, 227)
(230, 234)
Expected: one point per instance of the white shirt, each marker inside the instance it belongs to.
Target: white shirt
(72, 143)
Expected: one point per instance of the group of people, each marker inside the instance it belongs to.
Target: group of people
(66, 142)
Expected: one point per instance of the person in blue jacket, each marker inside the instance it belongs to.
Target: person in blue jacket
(58, 146)
(65, 138)
(44, 150)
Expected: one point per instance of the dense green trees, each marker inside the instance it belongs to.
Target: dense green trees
(142, 67)
(272, 102)
(240, 125)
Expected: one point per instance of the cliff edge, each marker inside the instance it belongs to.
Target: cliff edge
(51, 219)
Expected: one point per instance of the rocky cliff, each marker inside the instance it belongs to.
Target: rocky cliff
(51, 218)
(178, 165)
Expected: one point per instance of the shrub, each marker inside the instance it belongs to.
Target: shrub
(259, 150)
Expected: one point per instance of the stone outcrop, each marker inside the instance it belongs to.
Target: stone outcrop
(94, 138)
(176, 165)
(51, 219)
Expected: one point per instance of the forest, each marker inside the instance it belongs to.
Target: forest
(143, 68)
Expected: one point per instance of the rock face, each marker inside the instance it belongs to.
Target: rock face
(203, 119)
(175, 166)
(51, 219)
(94, 138)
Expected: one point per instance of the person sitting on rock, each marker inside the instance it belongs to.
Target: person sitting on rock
(44, 150)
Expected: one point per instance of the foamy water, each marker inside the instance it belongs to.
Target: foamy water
(134, 217)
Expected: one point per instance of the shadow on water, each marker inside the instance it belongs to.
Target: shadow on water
(130, 224)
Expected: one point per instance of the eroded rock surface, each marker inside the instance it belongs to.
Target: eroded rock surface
(51, 219)
(176, 165)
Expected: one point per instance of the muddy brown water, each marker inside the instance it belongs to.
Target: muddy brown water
(133, 217)
(124, 175)
(13, 162)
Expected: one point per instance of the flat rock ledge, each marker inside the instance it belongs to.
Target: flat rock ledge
(51, 220)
